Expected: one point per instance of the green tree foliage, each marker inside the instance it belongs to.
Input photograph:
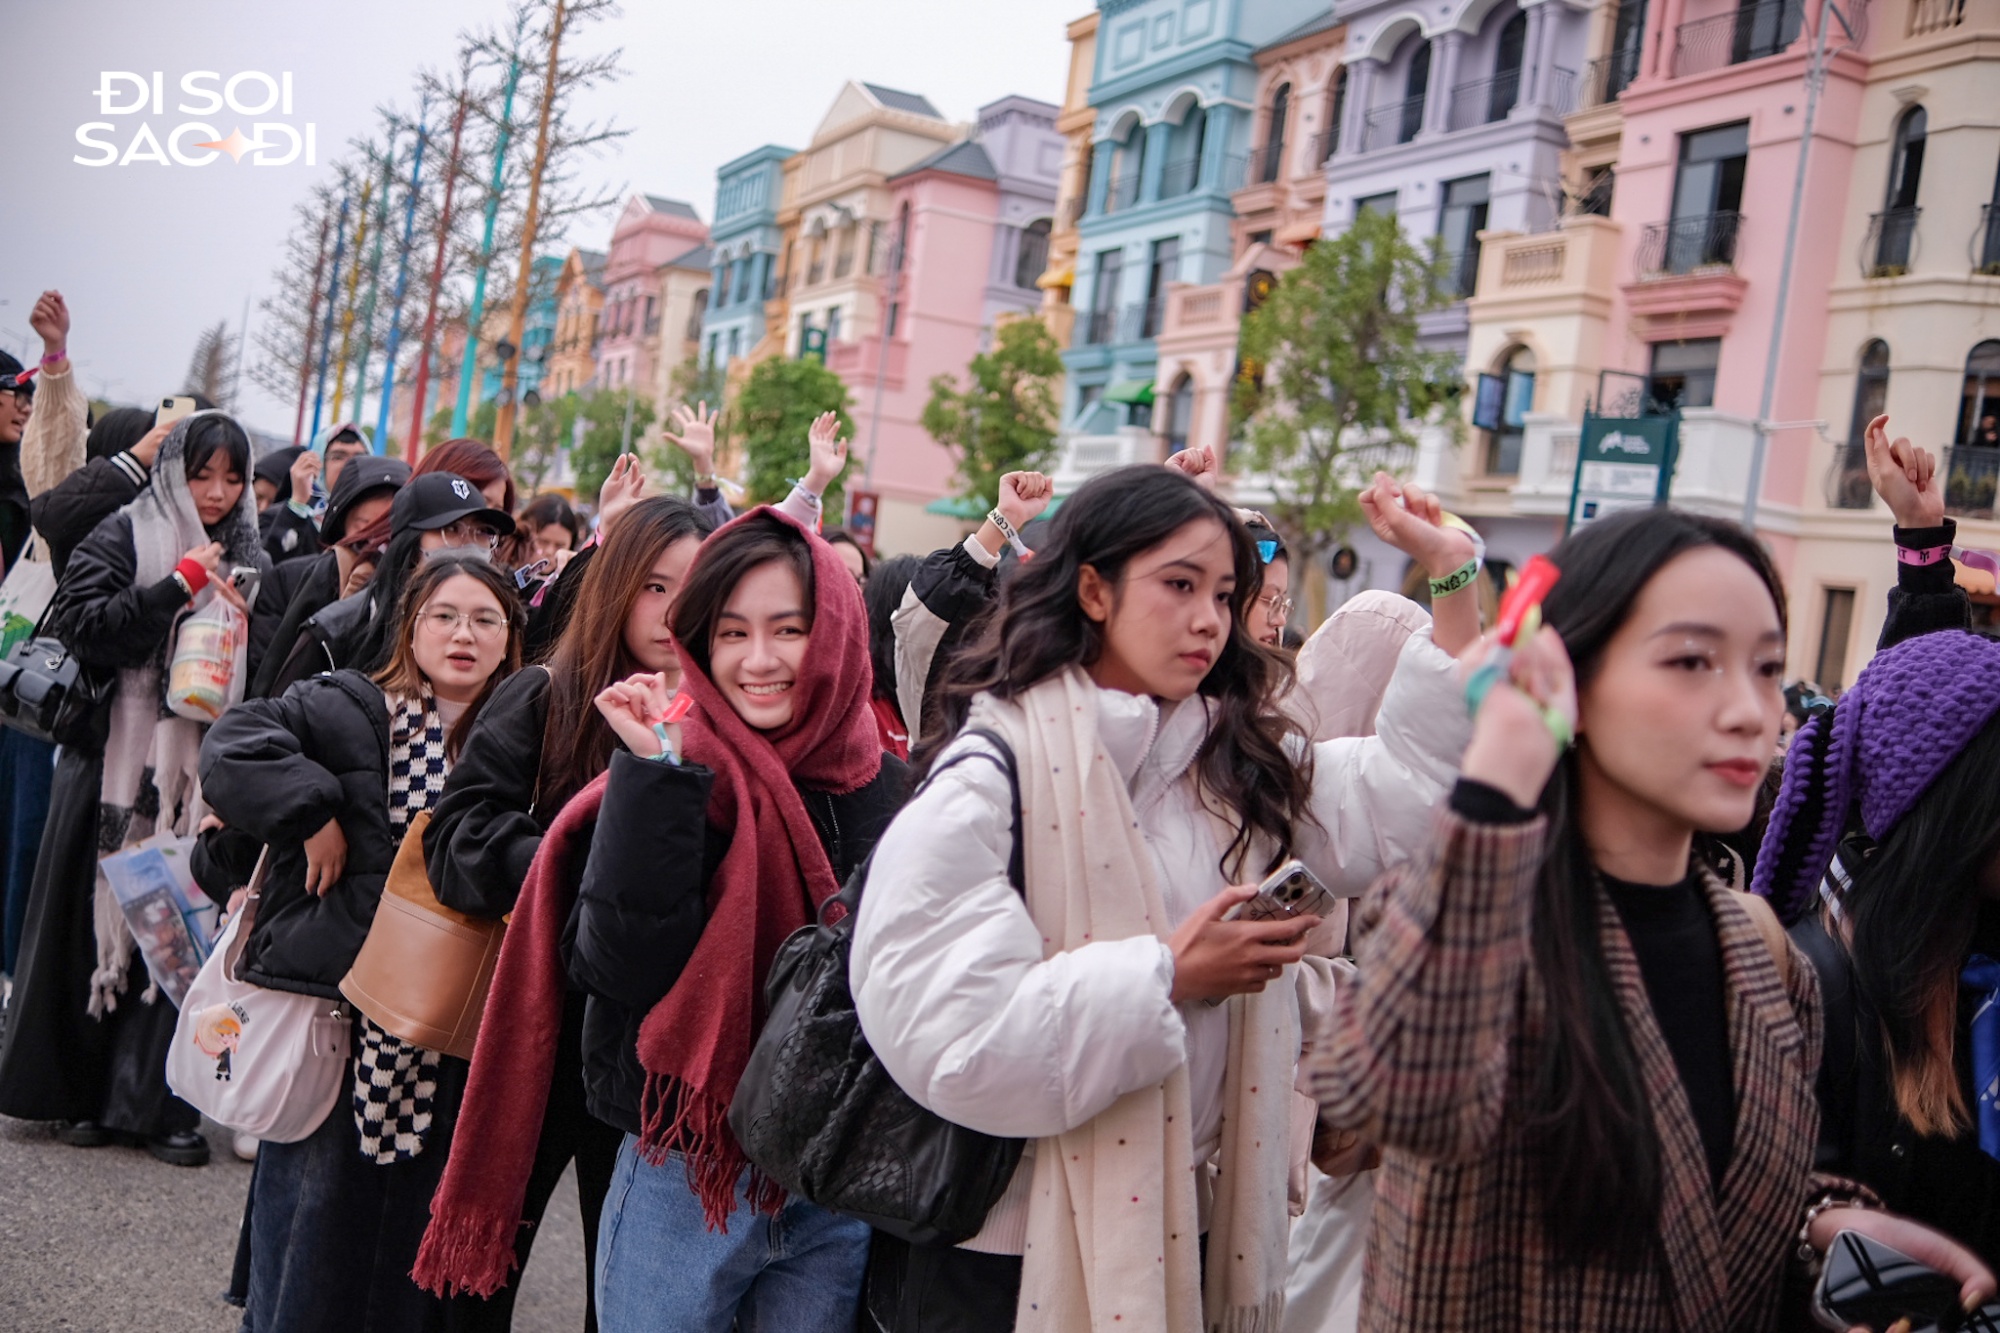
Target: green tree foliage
(603, 413)
(1343, 380)
(1004, 418)
(771, 417)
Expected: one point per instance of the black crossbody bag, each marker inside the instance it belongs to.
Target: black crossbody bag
(46, 693)
(817, 1112)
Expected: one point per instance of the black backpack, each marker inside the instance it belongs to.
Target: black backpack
(816, 1111)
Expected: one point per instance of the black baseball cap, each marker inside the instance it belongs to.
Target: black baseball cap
(439, 499)
(13, 375)
(367, 475)
(276, 467)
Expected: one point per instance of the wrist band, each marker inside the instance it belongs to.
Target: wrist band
(666, 754)
(705, 481)
(799, 487)
(59, 354)
(303, 511)
(1455, 580)
(999, 520)
(188, 585)
(1922, 555)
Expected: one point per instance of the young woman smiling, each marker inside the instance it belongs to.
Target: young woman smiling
(1110, 1015)
(328, 776)
(538, 741)
(1587, 1064)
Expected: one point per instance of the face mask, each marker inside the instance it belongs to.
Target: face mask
(460, 553)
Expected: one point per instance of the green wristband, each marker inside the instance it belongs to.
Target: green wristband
(1455, 580)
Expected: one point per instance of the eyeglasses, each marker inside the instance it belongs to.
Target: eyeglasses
(23, 393)
(1277, 605)
(465, 532)
(444, 624)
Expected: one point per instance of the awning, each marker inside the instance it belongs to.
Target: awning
(953, 507)
(1129, 391)
(1057, 277)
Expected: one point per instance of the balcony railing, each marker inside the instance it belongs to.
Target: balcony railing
(1461, 272)
(1892, 239)
(1971, 475)
(1395, 123)
(1142, 319)
(1484, 101)
(1324, 145)
(1986, 242)
(1685, 245)
(1097, 327)
(1929, 16)
(1072, 210)
(1606, 77)
(1266, 162)
(1532, 263)
(1749, 33)
(1847, 485)
(1124, 192)
(1179, 178)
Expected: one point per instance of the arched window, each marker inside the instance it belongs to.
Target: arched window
(902, 243)
(1517, 399)
(1850, 488)
(1415, 88)
(1896, 227)
(1506, 87)
(1034, 255)
(1274, 136)
(1127, 163)
(1184, 147)
(1336, 108)
(1180, 413)
(1979, 407)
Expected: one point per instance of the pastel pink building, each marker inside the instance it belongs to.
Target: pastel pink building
(967, 240)
(651, 233)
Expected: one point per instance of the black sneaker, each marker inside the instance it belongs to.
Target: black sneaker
(84, 1134)
(186, 1149)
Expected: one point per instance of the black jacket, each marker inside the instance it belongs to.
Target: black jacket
(1926, 597)
(278, 769)
(323, 644)
(643, 902)
(286, 535)
(66, 512)
(307, 588)
(111, 624)
(486, 828)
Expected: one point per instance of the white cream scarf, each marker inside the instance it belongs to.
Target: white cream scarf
(1112, 1229)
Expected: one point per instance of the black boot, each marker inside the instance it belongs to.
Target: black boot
(184, 1149)
(84, 1134)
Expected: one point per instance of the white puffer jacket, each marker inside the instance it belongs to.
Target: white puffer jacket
(949, 980)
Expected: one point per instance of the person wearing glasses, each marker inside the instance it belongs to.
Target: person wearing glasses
(330, 776)
(17, 401)
(435, 512)
(1267, 617)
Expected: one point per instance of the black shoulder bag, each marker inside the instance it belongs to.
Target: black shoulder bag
(817, 1112)
(49, 695)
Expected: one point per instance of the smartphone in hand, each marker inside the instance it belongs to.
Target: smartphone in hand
(1866, 1284)
(1289, 891)
(173, 409)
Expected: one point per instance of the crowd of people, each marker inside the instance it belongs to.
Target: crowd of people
(1613, 1010)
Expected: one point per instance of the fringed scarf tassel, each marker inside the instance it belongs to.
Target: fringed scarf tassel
(699, 1132)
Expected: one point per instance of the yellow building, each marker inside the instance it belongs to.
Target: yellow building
(1076, 124)
(579, 299)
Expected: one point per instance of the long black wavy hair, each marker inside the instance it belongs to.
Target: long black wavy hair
(1589, 1117)
(1038, 629)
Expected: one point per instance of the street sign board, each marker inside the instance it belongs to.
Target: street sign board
(861, 510)
(1622, 463)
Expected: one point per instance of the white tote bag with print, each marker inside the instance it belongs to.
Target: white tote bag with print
(267, 1063)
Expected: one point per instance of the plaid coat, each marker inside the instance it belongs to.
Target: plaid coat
(1433, 1058)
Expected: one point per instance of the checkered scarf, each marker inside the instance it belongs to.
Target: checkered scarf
(395, 1082)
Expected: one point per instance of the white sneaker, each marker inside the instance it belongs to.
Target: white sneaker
(245, 1146)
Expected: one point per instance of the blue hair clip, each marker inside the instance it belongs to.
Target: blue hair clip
(1267, 550)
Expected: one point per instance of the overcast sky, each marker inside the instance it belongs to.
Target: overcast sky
(149, 255)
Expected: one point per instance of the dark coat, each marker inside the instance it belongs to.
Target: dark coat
(278, 770)
(643, 902)
(311, 592)
(487, 827)
(324, 643)
(286, 535)
(66, 512)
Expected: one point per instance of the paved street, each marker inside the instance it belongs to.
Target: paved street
(108, 1240)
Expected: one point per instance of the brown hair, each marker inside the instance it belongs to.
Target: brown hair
(591, 654)
(725, 559)
(401, 675)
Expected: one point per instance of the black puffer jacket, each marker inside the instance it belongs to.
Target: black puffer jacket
(278, 769)
(487, 826)
(66, 512)
(644, 895)
(111, 624)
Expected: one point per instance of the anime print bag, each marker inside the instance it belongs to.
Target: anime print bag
(268, 1063)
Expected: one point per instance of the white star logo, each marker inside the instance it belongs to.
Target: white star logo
(235, 145)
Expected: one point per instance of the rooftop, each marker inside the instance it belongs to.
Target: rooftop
(672, 207)
(1322, 23)
(899, 101)
(964, 158)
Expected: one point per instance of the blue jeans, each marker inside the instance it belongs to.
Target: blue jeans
(661, 1270)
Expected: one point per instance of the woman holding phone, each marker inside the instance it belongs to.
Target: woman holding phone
(1587, 1063)
(1113, 1017)
(87, 1032)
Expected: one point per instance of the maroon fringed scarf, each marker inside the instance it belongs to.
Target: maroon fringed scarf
(696, 1041)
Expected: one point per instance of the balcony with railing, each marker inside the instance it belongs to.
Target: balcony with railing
(1461, 272)
(1142, 319)
(1971, 476)
(1324, 145)
(1483, 101)
(1891, 243)
(1606, 77)
(1930, 16)
(1123, 192)
(1986, 241)
(1179, 178)
(1396, 123)
(1742, 35)
(1266, 163)
(1689, 245)
(1097, 326)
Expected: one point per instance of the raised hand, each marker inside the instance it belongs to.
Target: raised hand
(1198, 462)
(1512, 747)
(625, 487)
(304, 468)
(1905, 476)
(50, 319)
(697, 436)
(632, 706)
(829, 453)
(1023, 496)
(1410, 519)
(148, 447)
